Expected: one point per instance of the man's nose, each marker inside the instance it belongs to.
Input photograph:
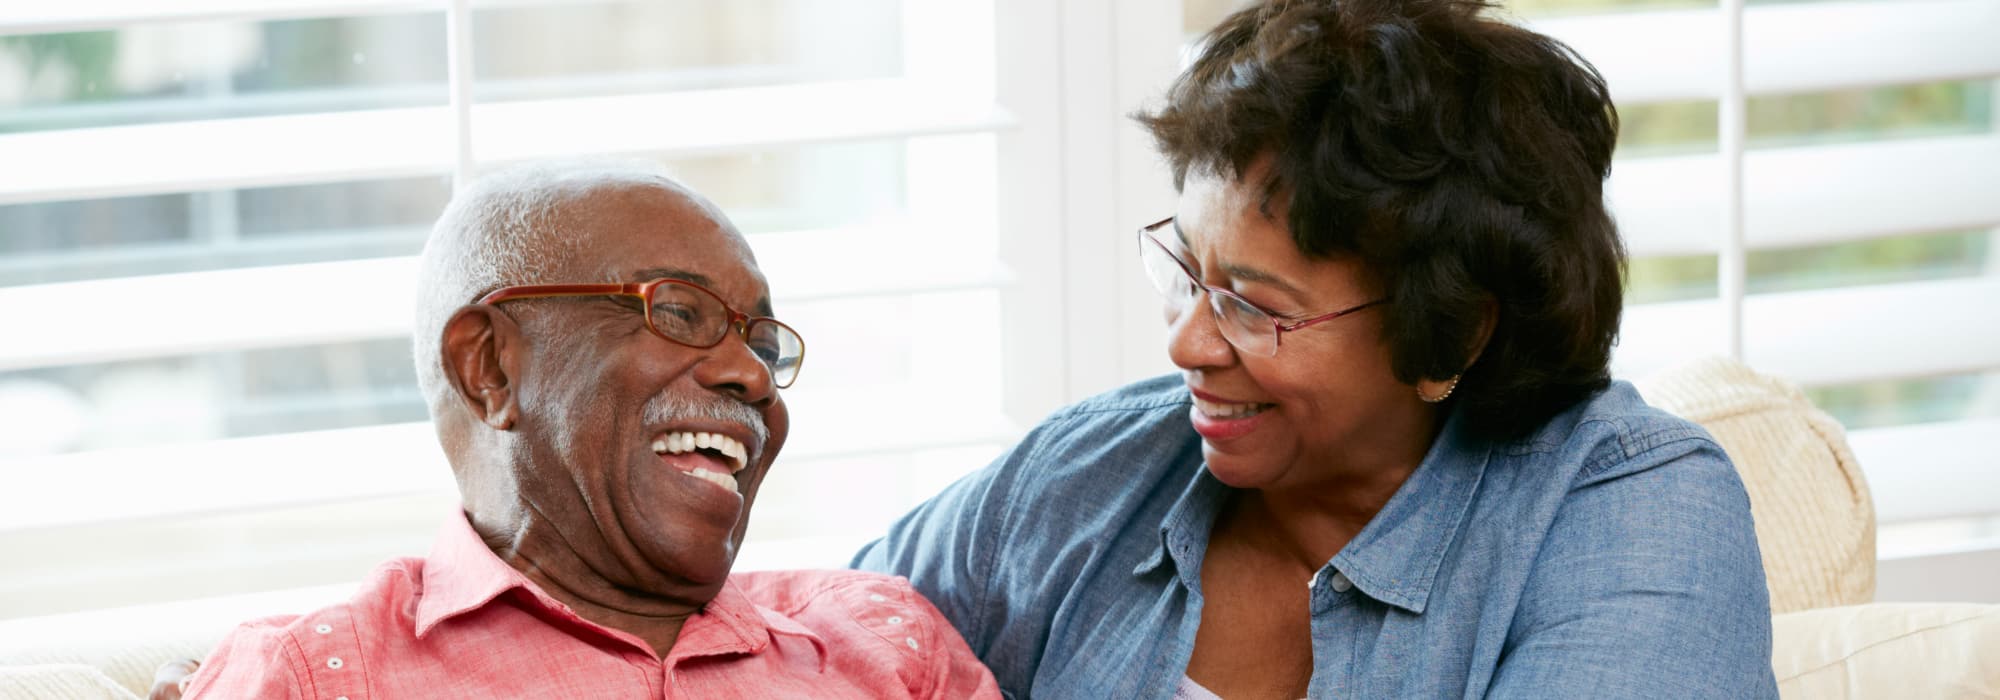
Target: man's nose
(731, 369)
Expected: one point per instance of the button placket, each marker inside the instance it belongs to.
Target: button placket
(1333, 589)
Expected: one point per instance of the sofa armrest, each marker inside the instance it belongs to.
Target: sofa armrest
(1883, 650)
(127, 645)
(60, 682)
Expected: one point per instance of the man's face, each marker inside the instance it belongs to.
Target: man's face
(611, 413)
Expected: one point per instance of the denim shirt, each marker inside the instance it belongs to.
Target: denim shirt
(1608, 555)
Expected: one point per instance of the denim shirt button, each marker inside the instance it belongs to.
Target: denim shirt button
(1341, 584)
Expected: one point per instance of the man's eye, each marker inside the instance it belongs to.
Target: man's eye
(675, 311)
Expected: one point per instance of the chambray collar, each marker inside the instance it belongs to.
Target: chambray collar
(462, 574)
(1184, 532)
(1395, 559)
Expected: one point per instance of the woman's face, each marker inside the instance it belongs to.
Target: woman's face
(1326, 403)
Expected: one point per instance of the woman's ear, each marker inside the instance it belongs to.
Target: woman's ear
(1436, 390)
(1489, 316)
(480, 349)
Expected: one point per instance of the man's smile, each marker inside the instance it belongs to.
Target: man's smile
(711, 457)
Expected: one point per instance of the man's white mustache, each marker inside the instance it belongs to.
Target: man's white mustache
(667, 408)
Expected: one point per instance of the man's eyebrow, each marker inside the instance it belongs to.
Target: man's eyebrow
(763, 306)
(654, 273)
(1248, 274)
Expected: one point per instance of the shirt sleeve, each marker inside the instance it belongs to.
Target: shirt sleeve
(948, 546)
(955, 671)
(1649, 584)
(256, 660)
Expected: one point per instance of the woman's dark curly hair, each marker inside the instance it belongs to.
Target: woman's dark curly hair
(1460, 157)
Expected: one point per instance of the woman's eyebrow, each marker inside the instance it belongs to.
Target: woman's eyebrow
(1246, 273)
(1250, 274)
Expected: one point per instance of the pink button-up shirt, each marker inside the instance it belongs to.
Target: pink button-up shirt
(461, 623)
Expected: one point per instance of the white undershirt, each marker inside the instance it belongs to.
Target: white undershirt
(1190, 690)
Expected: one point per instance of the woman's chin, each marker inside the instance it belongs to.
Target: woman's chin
(1238, 470)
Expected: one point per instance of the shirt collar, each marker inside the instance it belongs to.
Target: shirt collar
(1394, 559)
(732, 623)
(462, 574)
(1184, 532)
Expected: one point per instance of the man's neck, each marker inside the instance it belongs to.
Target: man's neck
(565, 576)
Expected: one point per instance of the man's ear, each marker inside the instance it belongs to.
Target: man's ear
(481, 354)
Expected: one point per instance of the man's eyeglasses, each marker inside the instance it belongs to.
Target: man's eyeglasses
(688, 314)
(1248, 327)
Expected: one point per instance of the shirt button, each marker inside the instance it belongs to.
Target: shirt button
(1341, 584)
(912, 641)
(894, 620)
(877, 598)
(323, 629)
(335, 663)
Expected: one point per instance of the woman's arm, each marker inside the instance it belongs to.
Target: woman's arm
(1649, 584)
(949, 546)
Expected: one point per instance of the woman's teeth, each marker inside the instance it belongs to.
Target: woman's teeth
(682, 443)
(1229, 410)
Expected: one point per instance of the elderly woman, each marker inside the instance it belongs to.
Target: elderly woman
(1393, 463)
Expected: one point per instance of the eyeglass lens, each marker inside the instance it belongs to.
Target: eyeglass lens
(1245, 326)
(695, 317)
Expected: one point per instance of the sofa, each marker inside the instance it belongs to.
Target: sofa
(1816, 527)
(1815, 523)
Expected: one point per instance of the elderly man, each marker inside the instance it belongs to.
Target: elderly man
(596, 347)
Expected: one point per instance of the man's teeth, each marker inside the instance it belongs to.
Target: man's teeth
(718, 478)
(1229, 410)
(681, 443)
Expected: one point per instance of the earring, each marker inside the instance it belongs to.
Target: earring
(1450, 386)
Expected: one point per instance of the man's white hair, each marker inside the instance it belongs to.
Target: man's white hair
(505, 229)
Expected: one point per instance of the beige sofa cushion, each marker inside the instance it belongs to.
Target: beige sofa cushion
(59, 682)
(1889, 650)
(1815, 522)
(125, 663)
(126, 646)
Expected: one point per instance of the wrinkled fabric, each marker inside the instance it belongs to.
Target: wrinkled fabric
(461, 623)
(1609, 555)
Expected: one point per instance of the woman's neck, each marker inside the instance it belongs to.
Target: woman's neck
(1313, 519)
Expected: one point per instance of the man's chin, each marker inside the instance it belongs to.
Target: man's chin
(684, 562)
